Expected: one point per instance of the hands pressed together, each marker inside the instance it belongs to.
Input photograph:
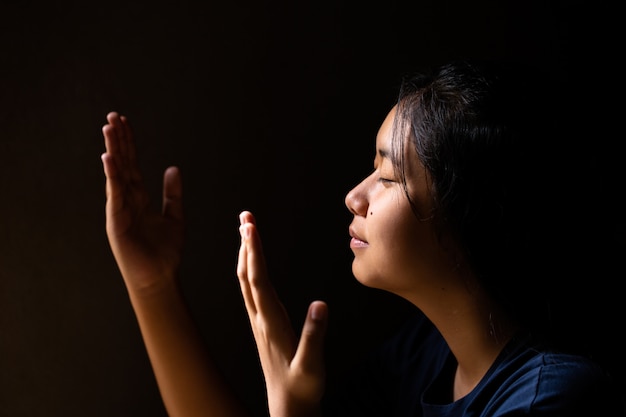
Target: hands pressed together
(147, 245)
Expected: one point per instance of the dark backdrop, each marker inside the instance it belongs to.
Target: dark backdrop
(271, 106)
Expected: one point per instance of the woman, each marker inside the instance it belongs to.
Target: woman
(459, 217)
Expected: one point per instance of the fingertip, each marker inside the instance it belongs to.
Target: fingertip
(245, 217)
(106, 158)
(312, 338)
(318, 310)
(172, 170)
(108, 165)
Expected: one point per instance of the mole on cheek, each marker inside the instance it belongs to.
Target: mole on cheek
(371, 212)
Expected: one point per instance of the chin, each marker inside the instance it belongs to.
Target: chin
(367, 279)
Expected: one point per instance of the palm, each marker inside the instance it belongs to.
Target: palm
(293, 369)
(147, 244)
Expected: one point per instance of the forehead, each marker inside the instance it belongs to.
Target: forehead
(385, 135)
(408, 162)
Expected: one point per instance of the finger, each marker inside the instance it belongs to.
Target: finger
(246, 217)
(252, 272)
(111, 159)
(264, 297)
(108, 164)
(242, 273)
(310, 353)
(256, 268)
(111, 142)
(130, 149)
(114, 140)
(172, 194)
(119, 144)
(115, 121)
(112, 168)
(113, 186)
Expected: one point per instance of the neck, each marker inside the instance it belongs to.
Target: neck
(474, 326)
(476, 350)
(475, 329)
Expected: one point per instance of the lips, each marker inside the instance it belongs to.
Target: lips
(356, 242)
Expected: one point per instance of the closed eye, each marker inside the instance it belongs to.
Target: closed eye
(385, 180)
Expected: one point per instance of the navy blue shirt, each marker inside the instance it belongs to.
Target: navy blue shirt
(412, 376)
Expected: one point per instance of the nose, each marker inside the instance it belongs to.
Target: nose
(356, 200)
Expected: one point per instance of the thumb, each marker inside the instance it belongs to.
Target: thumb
(310, 353)
(173, 193)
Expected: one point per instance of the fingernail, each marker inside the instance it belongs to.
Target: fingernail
(317, 312)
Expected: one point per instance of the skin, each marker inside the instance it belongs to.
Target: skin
(147, 247)
(394, 250)
(294, 370)
(390, 244)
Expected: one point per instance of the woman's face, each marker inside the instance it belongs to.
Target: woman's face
(393, 249)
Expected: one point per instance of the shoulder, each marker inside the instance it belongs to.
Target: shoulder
(558, 373)
(530, 381)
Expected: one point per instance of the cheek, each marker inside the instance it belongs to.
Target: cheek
(404, 240)
(411, 247)
(397, 239)
(396, 224)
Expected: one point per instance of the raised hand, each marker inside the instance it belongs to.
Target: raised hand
(147, 244)
(294, 370)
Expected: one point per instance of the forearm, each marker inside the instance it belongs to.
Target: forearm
(189, 382)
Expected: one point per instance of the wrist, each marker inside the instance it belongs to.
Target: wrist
(154, 291)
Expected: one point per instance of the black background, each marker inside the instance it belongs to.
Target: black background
(271, 106)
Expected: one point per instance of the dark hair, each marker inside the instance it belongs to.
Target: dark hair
(491, 137)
